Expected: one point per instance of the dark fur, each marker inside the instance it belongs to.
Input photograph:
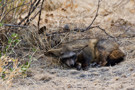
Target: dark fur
(108, 53)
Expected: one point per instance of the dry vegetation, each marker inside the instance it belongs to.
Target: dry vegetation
(28, 28)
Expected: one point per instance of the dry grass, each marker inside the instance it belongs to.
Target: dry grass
(116, 17)
(11, 10)
(9, 69)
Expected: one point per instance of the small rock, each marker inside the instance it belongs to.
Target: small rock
(82, 75)
(131, 69)
(74, 72)
(66, 28)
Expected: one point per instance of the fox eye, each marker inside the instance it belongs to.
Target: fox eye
(74, 57)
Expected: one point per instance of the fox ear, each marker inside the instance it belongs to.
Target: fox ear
(54, 52)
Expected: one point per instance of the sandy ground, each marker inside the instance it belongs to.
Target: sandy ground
(116, 17)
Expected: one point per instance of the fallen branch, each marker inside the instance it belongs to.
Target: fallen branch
(16, 26)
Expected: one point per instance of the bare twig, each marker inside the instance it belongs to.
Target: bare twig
(11, 10)
(4, 4)
(33, 17)
(123, 32)
(104, 31)
(90, 26)
(16, 26)
(39, 18)
(31, 6)
(33, 9)
(94, 17)
(62, 40)
(2, 8)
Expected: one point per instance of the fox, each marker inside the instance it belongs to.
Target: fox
(103, 52)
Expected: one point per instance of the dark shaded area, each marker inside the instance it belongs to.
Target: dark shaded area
(112, 62)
